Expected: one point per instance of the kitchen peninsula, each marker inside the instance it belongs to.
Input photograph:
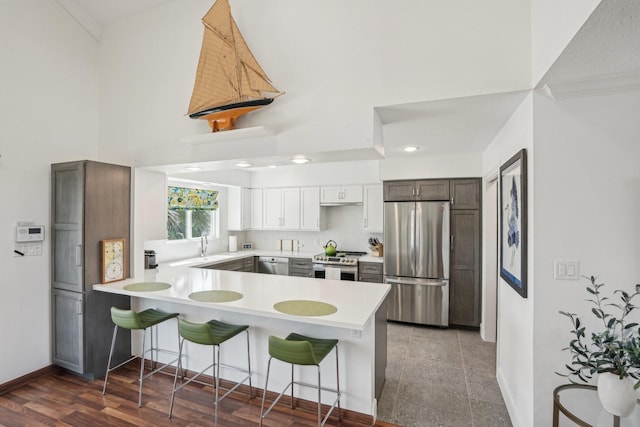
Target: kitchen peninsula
(359, 323)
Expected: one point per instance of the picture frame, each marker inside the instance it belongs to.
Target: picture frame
(513, 222)
(114, 260)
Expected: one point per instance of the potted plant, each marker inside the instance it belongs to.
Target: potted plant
(613, 352)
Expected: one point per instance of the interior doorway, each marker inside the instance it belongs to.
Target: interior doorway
(488, 326)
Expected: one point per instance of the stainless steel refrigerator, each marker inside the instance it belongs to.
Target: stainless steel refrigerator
(416, 261)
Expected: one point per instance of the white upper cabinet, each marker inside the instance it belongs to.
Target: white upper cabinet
(310, 208)
(256, 208)
(338, 195)
(281, 208)
(373, 208)
(239, 209)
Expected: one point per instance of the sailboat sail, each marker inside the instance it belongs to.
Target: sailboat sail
(229, 80)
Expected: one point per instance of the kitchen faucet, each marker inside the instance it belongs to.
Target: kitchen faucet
(204, 243)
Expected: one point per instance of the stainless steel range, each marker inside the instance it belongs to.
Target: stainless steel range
(342, 266)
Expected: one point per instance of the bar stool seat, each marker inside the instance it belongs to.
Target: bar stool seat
(130, 319)
(213, 333)
(298, 349)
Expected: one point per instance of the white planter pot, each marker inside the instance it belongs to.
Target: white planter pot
(617, 396)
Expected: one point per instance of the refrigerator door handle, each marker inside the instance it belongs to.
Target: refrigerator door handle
(412, 245)
(423, 282)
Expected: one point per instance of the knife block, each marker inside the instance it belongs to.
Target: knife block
(377, 250)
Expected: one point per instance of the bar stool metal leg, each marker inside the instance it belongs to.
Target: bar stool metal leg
(264, 394)
(303, 351)
(144, 320)
(113, 344)
(212, 333)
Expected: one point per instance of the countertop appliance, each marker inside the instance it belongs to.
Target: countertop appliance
(342, 266)
(273, 265)
(416, 261)
(150, 259)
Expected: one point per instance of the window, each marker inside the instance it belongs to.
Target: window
(192, 213)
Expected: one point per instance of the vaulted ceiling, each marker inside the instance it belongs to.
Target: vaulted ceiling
(604, 53)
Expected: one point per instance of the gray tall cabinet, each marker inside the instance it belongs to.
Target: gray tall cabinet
(90, 202)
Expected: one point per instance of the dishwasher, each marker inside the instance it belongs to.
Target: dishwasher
(273, 265)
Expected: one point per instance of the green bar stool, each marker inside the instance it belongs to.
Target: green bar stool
(212, 333)
(129, 319)
(301, 350)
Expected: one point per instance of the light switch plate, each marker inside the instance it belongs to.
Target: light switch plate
(566, 269)
(28, 249)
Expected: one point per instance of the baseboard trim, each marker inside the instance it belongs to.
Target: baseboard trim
(26, 379)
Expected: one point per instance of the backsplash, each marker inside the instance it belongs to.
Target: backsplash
(343, 224)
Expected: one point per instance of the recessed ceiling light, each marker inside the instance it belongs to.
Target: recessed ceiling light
(242, 164)
(193, 168)
(300, 160)
(272, 166)
(410, 148)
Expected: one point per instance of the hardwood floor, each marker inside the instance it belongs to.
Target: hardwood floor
(63, 399)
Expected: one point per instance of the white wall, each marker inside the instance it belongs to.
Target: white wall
(553, 25)
(335, 60)
(48, 114)
(336, 173)
(446, 165)
(587, 202)
(515, 353)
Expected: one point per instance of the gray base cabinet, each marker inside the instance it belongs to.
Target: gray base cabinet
(90, 202)
(300, 267)
(370, 272)
(246, 265)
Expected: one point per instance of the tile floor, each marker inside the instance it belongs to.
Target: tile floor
(440, 377)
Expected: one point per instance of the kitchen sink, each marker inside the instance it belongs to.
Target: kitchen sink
(199, 260)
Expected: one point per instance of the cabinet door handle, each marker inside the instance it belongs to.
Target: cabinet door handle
(451, 242)
(78, 307)
(78, 255)
(413, 191)
(366, 223)
(452, 200)
(318, 222)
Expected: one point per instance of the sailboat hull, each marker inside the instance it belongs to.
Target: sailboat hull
(224, 117)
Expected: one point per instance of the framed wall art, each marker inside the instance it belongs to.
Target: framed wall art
(113, 260)
(513, 222)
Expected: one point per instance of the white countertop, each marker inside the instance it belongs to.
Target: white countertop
(371, 258)
(230, 256)
(356, 301)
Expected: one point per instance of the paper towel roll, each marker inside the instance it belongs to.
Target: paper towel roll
(233, 243)
(332, 273)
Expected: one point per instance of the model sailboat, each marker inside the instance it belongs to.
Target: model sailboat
(229, 80)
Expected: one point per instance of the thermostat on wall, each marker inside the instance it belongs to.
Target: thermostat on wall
(30, 233)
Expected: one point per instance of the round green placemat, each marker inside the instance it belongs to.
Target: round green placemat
(215, 296)
(147, 286)
(305, 308)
